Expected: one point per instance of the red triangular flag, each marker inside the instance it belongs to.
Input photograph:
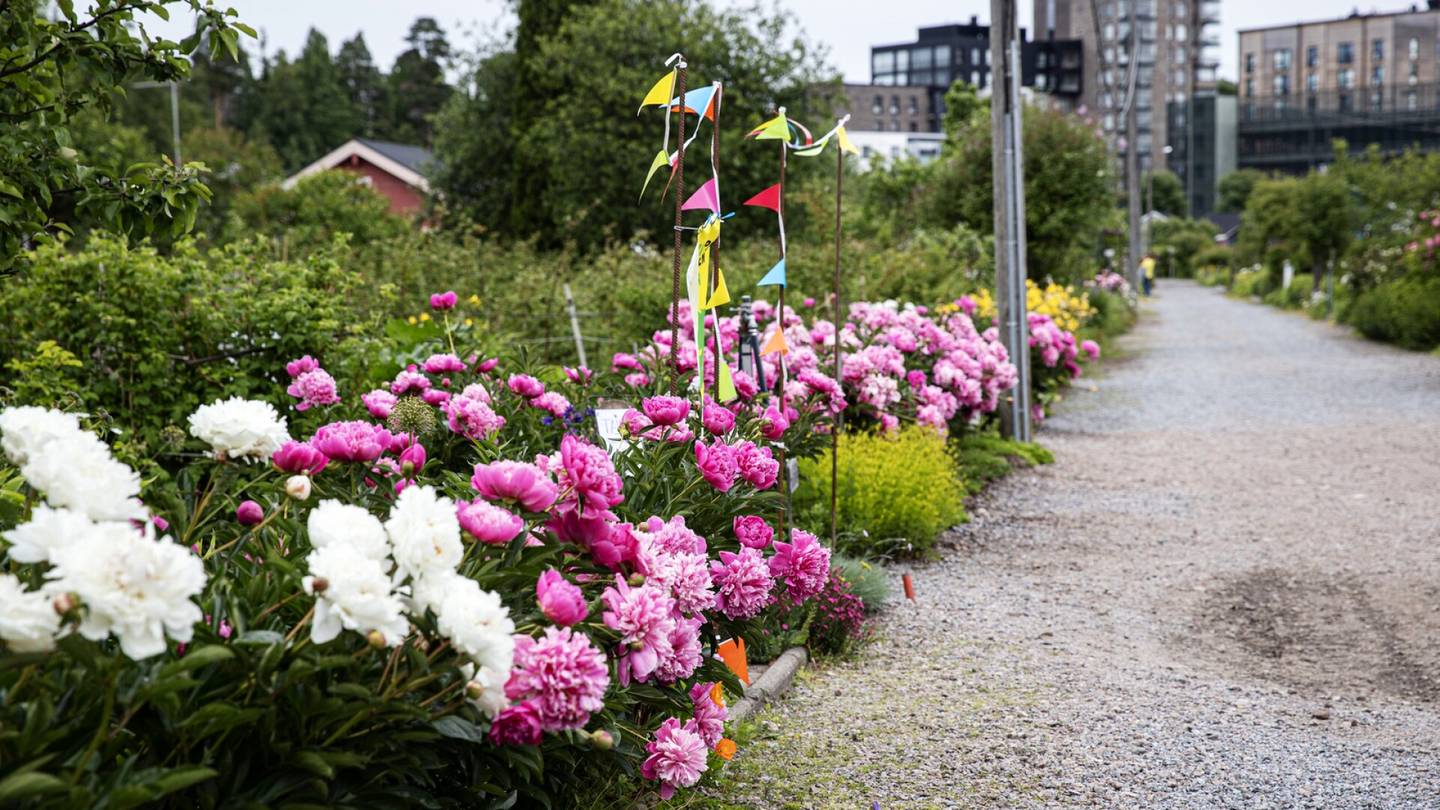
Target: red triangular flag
(769, 198)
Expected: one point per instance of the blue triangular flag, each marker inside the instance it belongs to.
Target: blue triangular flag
(776, 276)
(697, 100)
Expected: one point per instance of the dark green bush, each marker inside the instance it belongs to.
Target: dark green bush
(868, 580)
(1296, 296)
(1405, 312)
(984, 457)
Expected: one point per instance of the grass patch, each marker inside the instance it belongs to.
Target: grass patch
(985, 457)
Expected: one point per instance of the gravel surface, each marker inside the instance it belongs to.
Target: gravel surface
(1225, 592)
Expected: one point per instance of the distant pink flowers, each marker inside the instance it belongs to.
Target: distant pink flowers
(560, 600)
(677, 757)
(310, 384)
(756, 465)
(666, 410)
(470, 415)
(379, 403)
(525, 385)
(561, 675)
(444, 301)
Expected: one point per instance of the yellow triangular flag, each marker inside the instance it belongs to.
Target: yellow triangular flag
(776, 344)
(724, 384)
(661, 159)
(776, 129)
(845, 143)
(721, 294)
(660, 93)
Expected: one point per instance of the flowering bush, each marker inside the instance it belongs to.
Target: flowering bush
(838, 620)
(444, 590)
(1110, 281)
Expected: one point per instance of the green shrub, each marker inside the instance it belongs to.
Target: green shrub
(898, 492)
(1113, 315)
(1296, 296)
(984, 457)
(1249, 283)
(1405, 312)
(867, 580)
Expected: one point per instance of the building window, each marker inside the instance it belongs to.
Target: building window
(975, 79)
(1311, 104)
(1249, 63)
(1312, 83)
(1282, 84)
(974, 56)
(879, 125)
(878, 105)
(1377, 76)
(894, 105)
(1414, 73)
(942, 55)
(1414, 49)
(914, 126)
(1346, 78)
(1312, 56)
(1412, 101)
(1345, 53)
(920, 58)
(1249, 87)
(1375, 100)
(914, 106)
(1345, 105)
(1282, 59)
(1377, 50)
(882, 62)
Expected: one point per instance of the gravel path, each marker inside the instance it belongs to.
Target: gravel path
(1224, 593)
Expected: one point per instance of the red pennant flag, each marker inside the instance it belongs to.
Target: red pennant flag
(769, 198)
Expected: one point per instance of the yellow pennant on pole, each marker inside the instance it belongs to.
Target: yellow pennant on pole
(661, 159)
(660, 93)
(721, 295)
(724, 383)
(776, 129)
(844, 141)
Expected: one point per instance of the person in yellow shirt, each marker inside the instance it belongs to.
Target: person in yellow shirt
(1147, 273)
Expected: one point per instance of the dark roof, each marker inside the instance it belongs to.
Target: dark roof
(1227, 223)
(414, 158)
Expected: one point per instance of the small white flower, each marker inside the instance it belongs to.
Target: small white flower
(485, 688)
(298, 487)
(24, 431)
(78, 471)
(424, 532)
(356, 596)
(239, 428)
(132, 585)
(477, 624)
(28, 621)
(48, 531)
(333, 523)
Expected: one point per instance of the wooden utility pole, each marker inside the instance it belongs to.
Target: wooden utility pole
(1006, 111)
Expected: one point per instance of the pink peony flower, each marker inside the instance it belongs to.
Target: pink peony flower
(552, 401)
(1090, 348)
(684, 656)
(803, 563)
(299, 457)
(487, 522)
(676, 758)
(752, 531)
(644, 618)
(297, 367)
(488, 365)
(350, 441)
(625, 362)
(516, 725)
(472, 418)
(313, 388)
(443, 364)
(717, 420)
(561, 601)
(673, 536)
(249, 513)
(515, 482)
(444, 301)
(665, 410)
(588, 470)
(717, 464)
(774, 423)
(562, 675)
(414, 455)
(409, 380)
(710, 716)
(379, 403)
(686, 577)
(757, 465)
(526, 386)
(579, 376)
(435, 397)
(634, 422)
(742, 583)
(637, 379)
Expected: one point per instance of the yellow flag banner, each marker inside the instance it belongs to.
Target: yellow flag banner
(776, 129)
(844, 141)
(660, 93)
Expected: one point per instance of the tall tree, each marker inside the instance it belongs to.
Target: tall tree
(305, 110)
(56, 64)
(365, 84)
(417, 82)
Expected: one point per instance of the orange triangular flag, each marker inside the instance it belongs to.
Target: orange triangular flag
(775, 344)
(732, 652)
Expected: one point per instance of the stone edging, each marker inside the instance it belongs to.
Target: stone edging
(770, 685)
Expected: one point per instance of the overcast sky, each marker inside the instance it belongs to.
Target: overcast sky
(849, 33)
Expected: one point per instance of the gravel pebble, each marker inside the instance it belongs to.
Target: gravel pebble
(1223, 594)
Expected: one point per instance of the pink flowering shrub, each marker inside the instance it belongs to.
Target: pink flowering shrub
(838, 618)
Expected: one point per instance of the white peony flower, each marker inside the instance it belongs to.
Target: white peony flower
(298, 487)
(132, 585)
(48, 531)
(28, 621)
(239, 428)
(477, 624)
(485, 689)
(24, 431)
(356, 595)
(428, 591)
(78, 471)
(333, 523)
(424, 532)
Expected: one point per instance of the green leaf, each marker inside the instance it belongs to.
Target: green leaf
(458, 728)
(260, 638)
(194, 659)
(314, 763)
(24, 785)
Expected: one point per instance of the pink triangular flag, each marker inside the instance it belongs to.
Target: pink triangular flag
(704, 199)
(769, 198)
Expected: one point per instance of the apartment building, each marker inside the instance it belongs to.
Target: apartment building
(1371, 79)
(1175, 49)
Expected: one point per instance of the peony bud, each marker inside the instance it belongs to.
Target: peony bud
(375, 639)
(64, 603)
(637, 579)
(319, 584)
(298, 487)
(249, 513)
(602, 740)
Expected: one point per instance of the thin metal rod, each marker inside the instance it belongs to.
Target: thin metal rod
(714, 280)
(837, 417)
(575, 325)
(780, 212)
(679, 201)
